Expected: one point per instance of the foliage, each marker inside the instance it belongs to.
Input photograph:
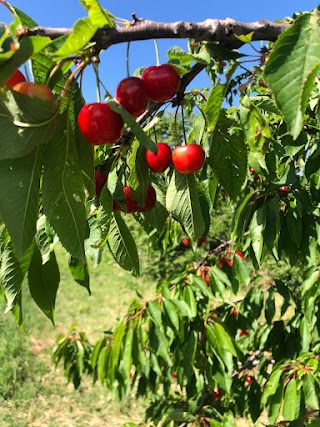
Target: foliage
(204, 352)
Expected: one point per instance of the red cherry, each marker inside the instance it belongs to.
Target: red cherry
(188, 158)
(233, 312)
(230, 263)
(240, 254)
(35, 90)
(131, 93)
(252, 171)
(241, 333)
(15, 78)
(186, 241)
(99, 124)
(100, 179)
(248, 380)
(284, 188)
(201, 241)
(246, 331)
(150, 201)
(203, 272)
(217, 394)
(159, 162)
(174, 374)
(133, 206)
(256, 178)
(162, 82)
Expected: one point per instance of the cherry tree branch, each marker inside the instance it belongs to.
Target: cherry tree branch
(223, 31)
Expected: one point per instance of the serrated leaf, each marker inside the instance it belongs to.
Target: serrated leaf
(183, 202)
(171, 312)
(63, 192)
(292, 68)
(228, 159)
(220, 339)
(126, 355)
(275, 403)
(19, 194)
(43, 280)
(215, 100)
(139, 173)
(290, 400)
(82, 32)
(80, 272)
(310, 392)
(138, 132)
(98, 16)
(241, 270)
(271, 384)
(29, 46)
(11, 276)
(256, 229)
(25, 123)
(122, 245)
(189, 298)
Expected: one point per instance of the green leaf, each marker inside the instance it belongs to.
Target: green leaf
(189, 298)
(98, 16)
(139, 173)
(25, 122)
(63, 192)
(29, 46)
(138, 132)
(82, 32)
(256, 229)
(290, 398)
(241, 270)
(19, 194)
(126, 355)
(228, 158)
(271, 384)
(272, 230)
(171, 313)
(183, 202)
(310, 392)
(80, 272)
(11, 277)
(43, 282)
(220, 339)
(292, 67)
(305, 335)
(275, 403)
(122, 245)
(213, 106)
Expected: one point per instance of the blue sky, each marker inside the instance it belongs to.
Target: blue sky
(63, 13)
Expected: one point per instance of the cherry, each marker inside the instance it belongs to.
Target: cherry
(217, 394)
(222, 261)
(241, 332)
(284, 189)
(15, 78)
(233, 312)
(248, 380)
(174, 374)
(162, 82)
(186, 241)
(201, 241)
(240, 254)
(133, 206)
(246, 331)
(131, 93)
(99, 124)
(100, 178)
(159, 162)
(188, 158)
(35, 90)
(203, 272)
(150, 201)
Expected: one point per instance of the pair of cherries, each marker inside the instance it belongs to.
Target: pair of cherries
(101, 125)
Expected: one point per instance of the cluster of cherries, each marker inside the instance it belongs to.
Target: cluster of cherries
(101, 125)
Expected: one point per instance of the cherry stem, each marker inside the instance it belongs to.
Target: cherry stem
(175, 124)
(157, 51)
(96, 71)
(128, 59)
(183, 126)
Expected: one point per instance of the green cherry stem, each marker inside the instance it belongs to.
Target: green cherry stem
(96, 72)
(157, 51)
(183, 126)
(128, 59)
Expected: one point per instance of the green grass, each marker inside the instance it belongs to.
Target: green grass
(32, 391)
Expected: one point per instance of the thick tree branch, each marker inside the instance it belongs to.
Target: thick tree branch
(223, 31)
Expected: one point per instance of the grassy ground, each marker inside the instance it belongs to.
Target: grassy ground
(32, 392)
